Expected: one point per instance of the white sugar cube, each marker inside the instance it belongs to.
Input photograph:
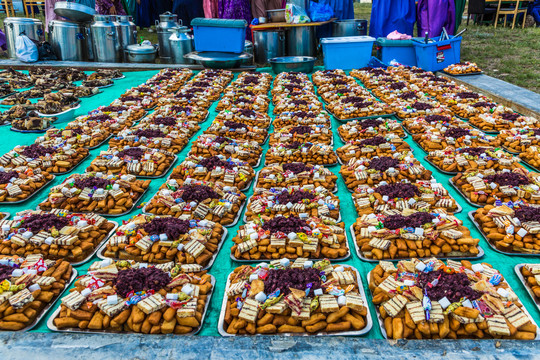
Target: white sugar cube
(444, 302)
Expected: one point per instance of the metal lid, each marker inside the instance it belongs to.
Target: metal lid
(230, 23)
(141, 49)
(124, 18)
(74, 11)
(168, 16)
(106, 18)
(21, 20)
(63, 23)
(179, 29)
(347, 39)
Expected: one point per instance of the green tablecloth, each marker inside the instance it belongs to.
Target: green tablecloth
(223, 264)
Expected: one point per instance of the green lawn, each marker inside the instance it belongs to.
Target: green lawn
(510, 55)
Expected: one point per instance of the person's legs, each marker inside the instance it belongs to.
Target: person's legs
(535, 12)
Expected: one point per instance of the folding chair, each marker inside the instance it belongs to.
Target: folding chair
(8, 7)
(30, 6)
(520, 7)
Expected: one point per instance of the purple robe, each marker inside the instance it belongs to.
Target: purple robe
(236, 9)
(103, 7)
(433, 15)
(3, 41)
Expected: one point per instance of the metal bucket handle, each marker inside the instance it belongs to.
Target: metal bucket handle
(111, 34)
(361, 26)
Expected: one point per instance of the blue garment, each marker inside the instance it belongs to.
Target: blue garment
(390, 15)
(534, 10)
(343, 9)
(188, 10)
(144, 14)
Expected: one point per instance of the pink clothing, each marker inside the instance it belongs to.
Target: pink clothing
(210, 8)
(49, 13)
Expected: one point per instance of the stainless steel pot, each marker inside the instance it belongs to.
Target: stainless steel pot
(138, 53)
(301, 41)
(181, 43)
(268, 44)
(106, 43)
(127, 31)
(68, 40)
(277, 15)
(248, 49)
(89, 42)
(14, 26)
(166, 22)
(352, 27)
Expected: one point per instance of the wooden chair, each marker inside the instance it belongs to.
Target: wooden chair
(30, 5)
(520, 7)
(8, 7)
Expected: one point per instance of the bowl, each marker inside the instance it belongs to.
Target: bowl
(66, 115)
(303, 64)
(275, 16)
(218, 60)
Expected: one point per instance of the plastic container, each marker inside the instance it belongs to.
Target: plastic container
(402, 51)
(437, 55)
(348, 52)
(223, 35)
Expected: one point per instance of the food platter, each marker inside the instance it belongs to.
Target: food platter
(103, 247)
(110, 215)
(227, 226)
(47, 308)
(479, 228)
(52, 327)
(341, 258)
(365, 330)
(517, 269)
(383, 330)
(31, 195)
(456, 257)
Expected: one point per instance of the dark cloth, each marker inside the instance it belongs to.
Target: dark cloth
(188, 10)
(144, 15)
(160, 7)
(390, 15)
(433, 15)
(460, 8)
(343, 9)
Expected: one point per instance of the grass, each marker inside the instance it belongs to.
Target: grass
(510, 55)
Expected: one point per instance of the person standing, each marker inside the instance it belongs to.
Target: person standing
(236, 9)
(188, 10)
(110, 7)
(259, 7)
(49, 13)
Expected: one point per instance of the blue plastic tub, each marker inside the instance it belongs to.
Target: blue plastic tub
(437, 55)
(401, 51)
(223, 35)
(348, 52)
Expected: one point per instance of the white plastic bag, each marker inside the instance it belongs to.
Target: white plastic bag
(294, 14)
(25, 49)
